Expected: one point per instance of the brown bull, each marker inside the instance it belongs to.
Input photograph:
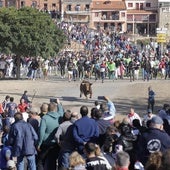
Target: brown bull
(86, 89)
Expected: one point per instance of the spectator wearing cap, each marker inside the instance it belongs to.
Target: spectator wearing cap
(163, 112)
(34, 119)
(147, 117)
(154, 139)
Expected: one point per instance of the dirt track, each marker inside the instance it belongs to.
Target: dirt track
(123, 93)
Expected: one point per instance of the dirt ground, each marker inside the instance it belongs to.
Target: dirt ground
(123, 93)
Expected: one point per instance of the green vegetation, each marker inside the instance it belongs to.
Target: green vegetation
(28, 32)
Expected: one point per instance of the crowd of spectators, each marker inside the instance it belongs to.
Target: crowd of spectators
(54, 138)
(106, 54)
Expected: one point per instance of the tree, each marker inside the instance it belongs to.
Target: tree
(29, 32)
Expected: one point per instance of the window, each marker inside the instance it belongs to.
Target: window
(69, 7)
(96, 14)
(45, 7)
(130, 5)
(87, 7)
(53, 5)
(34, 4)
(22, 3)
(115, 15)
(141, 6)
(1, 4)
(148, 5)
(123, 14)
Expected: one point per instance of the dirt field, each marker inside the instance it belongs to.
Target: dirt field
(123, 93)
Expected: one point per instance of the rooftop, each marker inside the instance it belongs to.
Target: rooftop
(108, 5)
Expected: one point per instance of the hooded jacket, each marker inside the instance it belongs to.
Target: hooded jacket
(48, 126)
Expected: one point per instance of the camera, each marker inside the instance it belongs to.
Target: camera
(101, 98)
(53, 100)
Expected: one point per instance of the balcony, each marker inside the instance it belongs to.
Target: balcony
(151, 8)
(77, 12)
(100, 19)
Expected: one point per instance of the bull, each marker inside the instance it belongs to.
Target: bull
(86, 89)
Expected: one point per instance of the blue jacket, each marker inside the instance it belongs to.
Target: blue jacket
(151, 141)
(22, 138)
(85, 129)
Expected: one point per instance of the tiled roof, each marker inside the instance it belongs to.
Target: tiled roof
(133, 11)
(108, 5)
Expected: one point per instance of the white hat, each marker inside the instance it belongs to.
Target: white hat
(138, 165)
(11, 164)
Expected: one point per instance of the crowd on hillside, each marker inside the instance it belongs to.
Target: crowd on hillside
(106, 55)
(52, 138)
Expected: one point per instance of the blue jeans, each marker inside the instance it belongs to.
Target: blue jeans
(31, 162)
(63, 159)
(34, 74)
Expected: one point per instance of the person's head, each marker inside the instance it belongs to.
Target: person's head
(44, 108)
(93, 112)
(165, 160)
(122, 160)
(84, 111)
(157, 122)
(7, 97)
(91, 148)
(25, 92)
(52, 107)
(136, 123)
(154, 161)
(96, 103)
(149, 112)
(149, 88)
(18, 116)
(166, 107)
(132, 111)
(75, 115)
(33, 112)
(11, 99)
(22, 101)
(67, 115)
(103, 106)
(98, 113)
(76, 159)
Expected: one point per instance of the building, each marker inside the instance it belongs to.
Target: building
(164, 15)
(142, 17)
(46, 5)
(75, 11)
(137, 17)
(109, 14)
